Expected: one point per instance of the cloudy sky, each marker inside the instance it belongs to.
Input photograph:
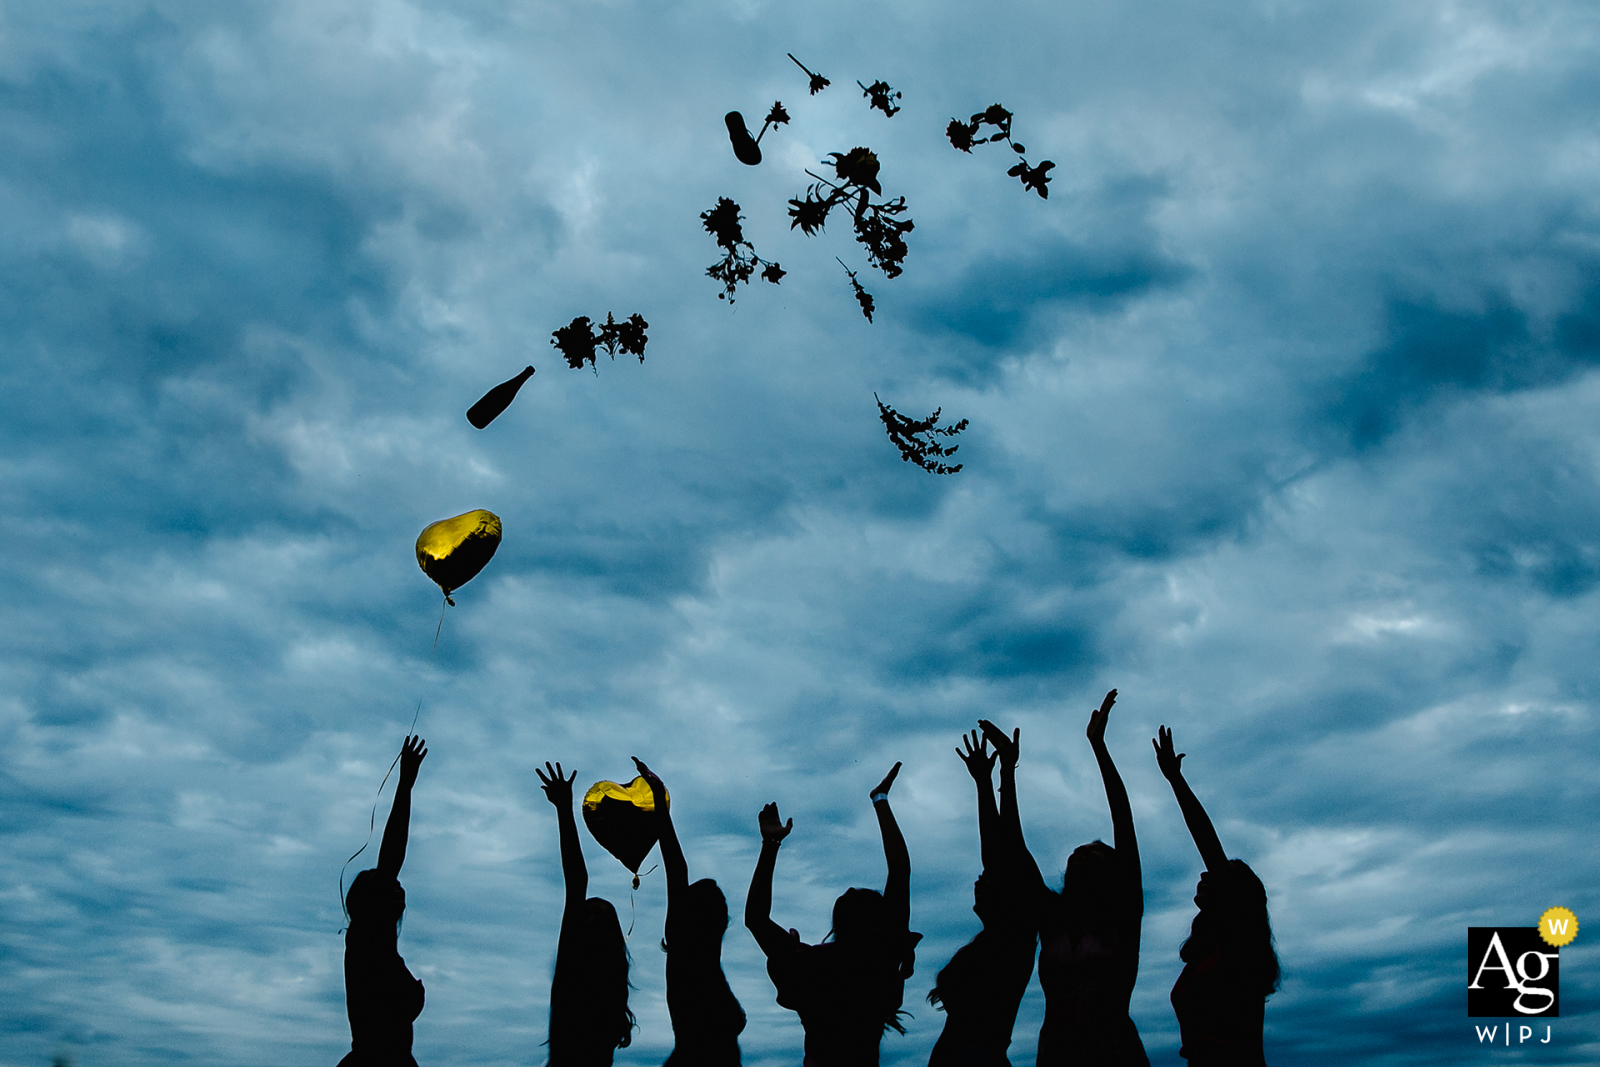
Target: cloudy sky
(1284, 420)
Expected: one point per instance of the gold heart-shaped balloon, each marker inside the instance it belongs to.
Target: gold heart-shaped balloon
(622, 818)
(452, 551)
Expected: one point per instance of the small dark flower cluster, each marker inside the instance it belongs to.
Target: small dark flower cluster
(579, 338)
(736, 268)
(775, 118)
(863, 297)
(963, 135)
(818, 82)
(917, 439)
(880, 228)
(879, 94)
(877, 225)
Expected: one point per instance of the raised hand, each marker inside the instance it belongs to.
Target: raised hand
(412, 754)
(657, 786)
(556, 786)
(773, 829)
(1170, 762)
(977, 757)
(888, 780)
(1097, 720)
(1007, 748)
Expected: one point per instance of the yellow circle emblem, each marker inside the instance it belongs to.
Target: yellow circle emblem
(1558, 926)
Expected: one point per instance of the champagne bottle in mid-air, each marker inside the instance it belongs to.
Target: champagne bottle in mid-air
(496, 400)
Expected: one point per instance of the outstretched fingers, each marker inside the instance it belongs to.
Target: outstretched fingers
(1170, 762)
(976, 755)
(773, 828)
(556, 785)
(412, 753)
(976, 746)
(1097, 720)
(1007, 748)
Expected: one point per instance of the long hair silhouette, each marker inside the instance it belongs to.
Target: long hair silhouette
(982, 986)
(847, 990)
(1233, 920)
(1230, 965)
(589, 1014)
(1089, 933)
(382, 998)
(706, 1017)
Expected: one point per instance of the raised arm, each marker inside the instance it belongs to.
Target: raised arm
(980, 764)
(671, 852)
(558, 788)
(392, 852)
(1194, 814)
(1127, 845)
(897, 889)
(1009, 750)
(758, 902)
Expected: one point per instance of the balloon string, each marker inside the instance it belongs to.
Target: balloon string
(633, 914)
(372, 817)
(412, 731)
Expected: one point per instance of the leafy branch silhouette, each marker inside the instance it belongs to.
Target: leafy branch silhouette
(818, 82)
(917, 439)
(878, 227)
(964, 135)
(879, 93)
(863, 297)
(722, 222)
(578, 339)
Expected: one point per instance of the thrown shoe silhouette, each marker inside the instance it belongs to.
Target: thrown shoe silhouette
(496, 400)
(745, 149)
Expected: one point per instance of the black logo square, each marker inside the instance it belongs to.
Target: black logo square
(1512, 973)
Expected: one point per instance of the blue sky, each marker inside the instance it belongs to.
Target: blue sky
(1283, 410)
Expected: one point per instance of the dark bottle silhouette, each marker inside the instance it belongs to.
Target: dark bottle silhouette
(745, 149)
(1089, 932)
(589, 1016)
(496, 400)
(382, 997)
(982, 986)
(1229, 966)
(706, 1017)
(847, 991)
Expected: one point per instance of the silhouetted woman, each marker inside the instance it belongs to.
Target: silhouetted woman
(847, 991)
(1089, 932)
(706, 1017)
(981, 987)
(380, 995)
(589, 1016)
(1229, 966)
